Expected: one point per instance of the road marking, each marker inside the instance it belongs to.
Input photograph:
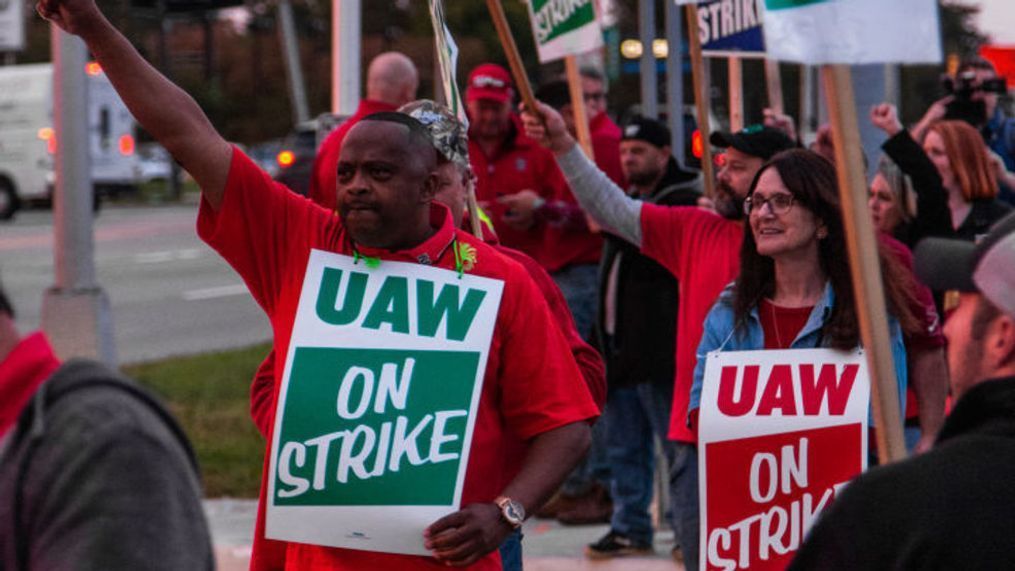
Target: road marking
(168, 256)
(215, 292)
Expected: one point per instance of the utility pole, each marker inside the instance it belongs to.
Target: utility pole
(649, 76)
(675, 79)
(293, 70)
(346, 24)
(75, 311)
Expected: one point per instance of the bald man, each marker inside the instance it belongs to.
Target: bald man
(392, 81)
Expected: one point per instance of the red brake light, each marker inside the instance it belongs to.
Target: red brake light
(93, 68)
(286, 159)
(697, 145)
(126, 145)
(47, 134)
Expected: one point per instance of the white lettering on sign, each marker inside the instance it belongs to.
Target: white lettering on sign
(777, 530)
(391, 388)
(726, 18)
(781, 475)
(395, 443)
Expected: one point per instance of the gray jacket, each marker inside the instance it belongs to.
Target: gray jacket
(97, 475)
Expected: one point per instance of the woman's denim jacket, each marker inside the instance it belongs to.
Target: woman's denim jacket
(721, 333)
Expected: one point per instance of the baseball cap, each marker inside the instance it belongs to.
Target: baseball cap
(449, 135)
(489, 81)
(755, 140)
(987, 266)
(648, 130)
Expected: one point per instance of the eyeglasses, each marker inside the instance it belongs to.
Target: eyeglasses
(777, 203)
(487, 81)
(595, 96)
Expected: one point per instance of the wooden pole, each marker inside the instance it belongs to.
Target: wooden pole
(773, 80)
(863, 261)
(736, 87)
(700, 97)
(511, 51)
(581, 119)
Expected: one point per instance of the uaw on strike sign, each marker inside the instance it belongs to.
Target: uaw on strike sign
(780, 432)
(378, 402)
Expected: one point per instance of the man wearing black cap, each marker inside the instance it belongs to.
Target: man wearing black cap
(636, 326)
(746, 151)
(700, 248)
(950, 508)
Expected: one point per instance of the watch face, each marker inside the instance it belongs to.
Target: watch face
(514, 512)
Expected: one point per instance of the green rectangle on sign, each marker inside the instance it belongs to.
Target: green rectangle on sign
(553, 18)
(786, 4)
(373, 427)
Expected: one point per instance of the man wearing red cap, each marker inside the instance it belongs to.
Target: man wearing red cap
(519, 185)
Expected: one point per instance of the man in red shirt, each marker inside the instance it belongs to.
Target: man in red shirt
(386, 181)
(515, 177)
(392, 81)
(700, 248)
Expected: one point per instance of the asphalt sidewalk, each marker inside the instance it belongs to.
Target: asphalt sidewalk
(548, 546)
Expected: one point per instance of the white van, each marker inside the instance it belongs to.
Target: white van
(27, 141)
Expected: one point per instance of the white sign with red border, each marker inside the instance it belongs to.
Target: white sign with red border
(780, 432)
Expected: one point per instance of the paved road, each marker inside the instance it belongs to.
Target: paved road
(547, 546)
(170, 293)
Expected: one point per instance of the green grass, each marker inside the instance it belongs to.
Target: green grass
(210, 395)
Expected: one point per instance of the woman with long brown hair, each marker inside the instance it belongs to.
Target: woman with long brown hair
(795, 290)
(958, 152)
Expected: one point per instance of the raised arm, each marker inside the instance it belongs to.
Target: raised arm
(933, 216)
(163, 109)
(601, 198)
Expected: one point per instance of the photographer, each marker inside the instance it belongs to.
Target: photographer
(973, 97)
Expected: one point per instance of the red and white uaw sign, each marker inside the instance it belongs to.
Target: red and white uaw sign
(780, 432)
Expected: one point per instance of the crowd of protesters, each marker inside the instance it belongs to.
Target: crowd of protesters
(619, 279)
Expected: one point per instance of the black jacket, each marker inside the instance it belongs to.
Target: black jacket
(951, 508)
(642, 346)
(981, 217)
(933, 217)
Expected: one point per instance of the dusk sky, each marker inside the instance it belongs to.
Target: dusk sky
(997, 20)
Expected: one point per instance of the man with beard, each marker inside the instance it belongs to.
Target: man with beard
(636, 328)
(700, 248)
(949, 508)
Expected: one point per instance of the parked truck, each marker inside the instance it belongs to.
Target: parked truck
(28, 141)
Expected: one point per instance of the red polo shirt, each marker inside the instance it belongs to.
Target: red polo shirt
(606, 137)
(24, 369)
(323, 183)
(702, 250)
(531, 385)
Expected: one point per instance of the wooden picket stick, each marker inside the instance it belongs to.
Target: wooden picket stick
(864, 263)
(581, 119)
(511, 51)
(700, 97)
(773, 81)
(736, 87)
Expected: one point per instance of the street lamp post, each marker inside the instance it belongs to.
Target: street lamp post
(75, 310)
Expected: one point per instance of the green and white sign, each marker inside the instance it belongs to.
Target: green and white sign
(852, 31)
(447, 59)
(378, 402)
(564, 27)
